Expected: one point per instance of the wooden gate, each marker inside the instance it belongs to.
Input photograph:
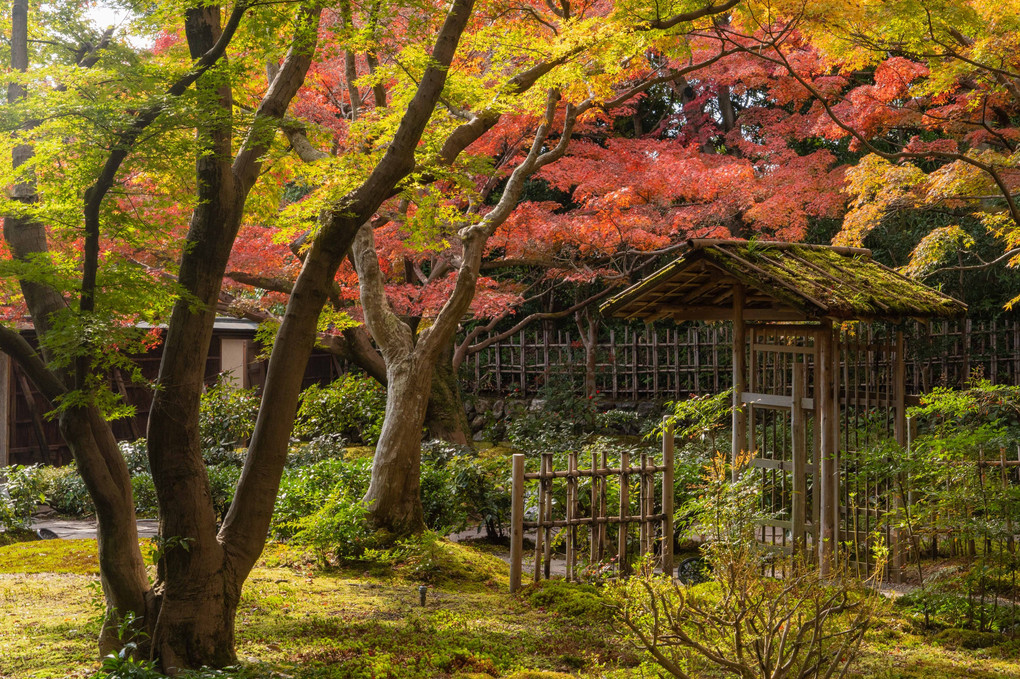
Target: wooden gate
(783, 438)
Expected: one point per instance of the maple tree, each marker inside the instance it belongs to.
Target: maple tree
(418, 262)
(89, 182)
(927, 92)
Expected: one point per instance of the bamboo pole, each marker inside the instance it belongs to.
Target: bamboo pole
(517, 522)
(621, 551)
(604, 507)
(667, 499)
(899, 539)
(739, 375)
(548, 460)
(642, 505)
(593, 531)
(650, 516)
(571, 513)
(539, 551)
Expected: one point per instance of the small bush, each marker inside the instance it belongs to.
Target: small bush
(226, 416)
(66, 492)
(136, 456)
(319, 449)
(144, 490)
(339, 531)
(457, 487)
(306, 490)
(583, 602)
(222, 484)
(19, 495)
(744, 622)
(351, 407)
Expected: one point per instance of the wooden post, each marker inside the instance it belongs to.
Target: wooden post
(798, 443)
(539, 551)
(899, 540)
(667, 499)
(739, 375)
(621, 552)
(517, 522)
(650, 506)
(643, 505)
(6, 411)
(571, 512)
(604, 505)
(593, 532)
(547, 481)
(825, 412)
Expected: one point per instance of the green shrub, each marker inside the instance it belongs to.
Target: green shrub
(66, 492)
(226, 416)
(306, 490)
(352, 407)
(338, 531)
(136, 456)
(222, 484)
(319, 449)
(144, 491)
(19, 495)
(457, 487)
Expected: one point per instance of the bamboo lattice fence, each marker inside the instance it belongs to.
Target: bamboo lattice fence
(672, 361)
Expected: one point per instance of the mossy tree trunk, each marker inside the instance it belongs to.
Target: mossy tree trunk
(445, 417)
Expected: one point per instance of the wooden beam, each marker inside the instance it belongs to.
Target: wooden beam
(668, 455)
(5, 410)
(828, 471)
(704, 313)
(798, 443)
(776, 401)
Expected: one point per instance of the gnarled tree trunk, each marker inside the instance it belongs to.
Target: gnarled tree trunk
(393, 497)
(394, 492)
(445, 418)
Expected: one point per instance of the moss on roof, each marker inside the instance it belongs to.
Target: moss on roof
(819, 281)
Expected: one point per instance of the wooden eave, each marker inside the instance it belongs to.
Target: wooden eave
(782, 282)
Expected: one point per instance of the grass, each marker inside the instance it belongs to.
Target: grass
(365, 621)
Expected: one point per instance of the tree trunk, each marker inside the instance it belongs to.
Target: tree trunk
(121, 567)
(445, 418)
(196, 618)
(394, 497)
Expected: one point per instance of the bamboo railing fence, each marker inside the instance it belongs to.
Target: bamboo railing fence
(653, 519)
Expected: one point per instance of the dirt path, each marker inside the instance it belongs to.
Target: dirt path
(85, 529)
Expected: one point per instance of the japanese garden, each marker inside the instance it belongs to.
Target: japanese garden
(523, 339)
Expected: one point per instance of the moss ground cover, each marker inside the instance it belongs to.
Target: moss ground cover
(365, 620)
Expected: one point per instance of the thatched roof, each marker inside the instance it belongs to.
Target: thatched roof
(781, 281)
